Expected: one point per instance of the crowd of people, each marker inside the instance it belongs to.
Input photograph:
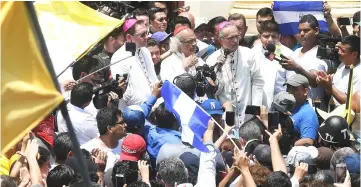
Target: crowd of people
(289, 126)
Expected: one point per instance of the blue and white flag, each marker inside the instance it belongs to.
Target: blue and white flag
(192, 117)
(288, 13)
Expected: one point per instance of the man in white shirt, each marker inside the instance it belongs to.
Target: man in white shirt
(84, 123)
(140, 68)
(240, 80)
(273, 74)
(303, 60)
(337, 84)
(183, 58)
(112, 129)
(202, 47)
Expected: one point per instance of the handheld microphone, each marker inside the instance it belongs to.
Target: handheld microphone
(196, 50)
(271, 53)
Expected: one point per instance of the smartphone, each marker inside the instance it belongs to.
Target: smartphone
(273, 120)
(344, 21)
(340, 172)
(254, 110)
(230, 118)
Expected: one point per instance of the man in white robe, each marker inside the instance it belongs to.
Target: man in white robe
(240, 79)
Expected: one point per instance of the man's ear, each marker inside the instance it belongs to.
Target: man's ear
(317, 30)
(128, 38)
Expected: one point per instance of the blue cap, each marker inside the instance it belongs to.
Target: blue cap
(134, 116)
(212, 106)
(352, 163)
(160, 36)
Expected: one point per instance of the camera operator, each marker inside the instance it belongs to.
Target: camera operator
(303, 60)
(240, 80)
(355, 25)
(183, 58)
(337, 84)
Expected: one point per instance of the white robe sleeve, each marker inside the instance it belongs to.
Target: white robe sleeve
(169, 69)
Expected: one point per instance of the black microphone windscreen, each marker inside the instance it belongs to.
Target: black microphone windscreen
(227, 52)
(197, 49)
(271, 48)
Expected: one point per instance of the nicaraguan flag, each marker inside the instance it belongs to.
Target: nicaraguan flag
(288, 13)
(192, 117)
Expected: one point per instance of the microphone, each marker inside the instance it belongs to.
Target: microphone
(196, 50)
(271, 53)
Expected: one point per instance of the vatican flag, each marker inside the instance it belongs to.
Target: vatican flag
(28, 92)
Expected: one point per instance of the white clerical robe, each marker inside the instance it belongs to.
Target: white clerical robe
(274, 75)
(172, 66)
(240, 80)
(141, 73)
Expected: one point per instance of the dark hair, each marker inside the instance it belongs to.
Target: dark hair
(265, 12)
(151, 4)
(356, 17)
(152, 42)
(62, 146)
(354, 42)
(183, 21)
(164, 118)
(156, 183)
(317, 183)
(355, 179)
(44, 156)
(128, 169)
(172, 170)
(107, 117)
(213, 22)
(7, 181)
(140, 12)
(138, 184)
(131, 30)
(309, 18)
(59, 176)
(85, 64)
(153, 11)
(81, 93)
(227, 145)
(237, 16)
(269, 26)
(279, 179)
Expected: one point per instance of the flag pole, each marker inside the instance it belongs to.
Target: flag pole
(349, 97)
(43, 49)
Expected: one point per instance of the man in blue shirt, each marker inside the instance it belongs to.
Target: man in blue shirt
(304, 118)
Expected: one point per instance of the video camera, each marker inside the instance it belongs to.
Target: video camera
(327, 51)
(101, 93)
(203, 86)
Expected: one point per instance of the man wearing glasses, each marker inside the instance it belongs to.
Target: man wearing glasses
(240, 80)
(140, 68)
(183, 59)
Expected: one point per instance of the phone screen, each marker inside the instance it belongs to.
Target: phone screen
(230, 118)
(254, 110)
(344, 21)
(340, 172)
(273, 120)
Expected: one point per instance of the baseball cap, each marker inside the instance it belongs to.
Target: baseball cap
(160, 36)
(301, 153)
(353, 163)
(134, 116)
(179, 29)
(284, 102)
(323, 159)
(297, 80)
(128, 24)
(212, 106)
(133, 146)
(263, 154)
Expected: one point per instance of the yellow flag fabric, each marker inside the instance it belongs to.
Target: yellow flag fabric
(71, 29)
(349, 97)
(28, 93)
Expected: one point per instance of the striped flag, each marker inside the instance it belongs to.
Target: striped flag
(192, 117)
(288, 13)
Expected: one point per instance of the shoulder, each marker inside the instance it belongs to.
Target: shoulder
(211, 60)
(169, 60)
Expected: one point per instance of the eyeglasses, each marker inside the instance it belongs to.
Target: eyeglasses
(162, 19)
(232, 38)
(143, 35)
(192, 41)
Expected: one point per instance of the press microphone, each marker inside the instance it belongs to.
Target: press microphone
(271, 53)
(196, 50)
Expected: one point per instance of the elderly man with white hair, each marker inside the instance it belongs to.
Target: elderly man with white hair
(183, 59)
(240, 79)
